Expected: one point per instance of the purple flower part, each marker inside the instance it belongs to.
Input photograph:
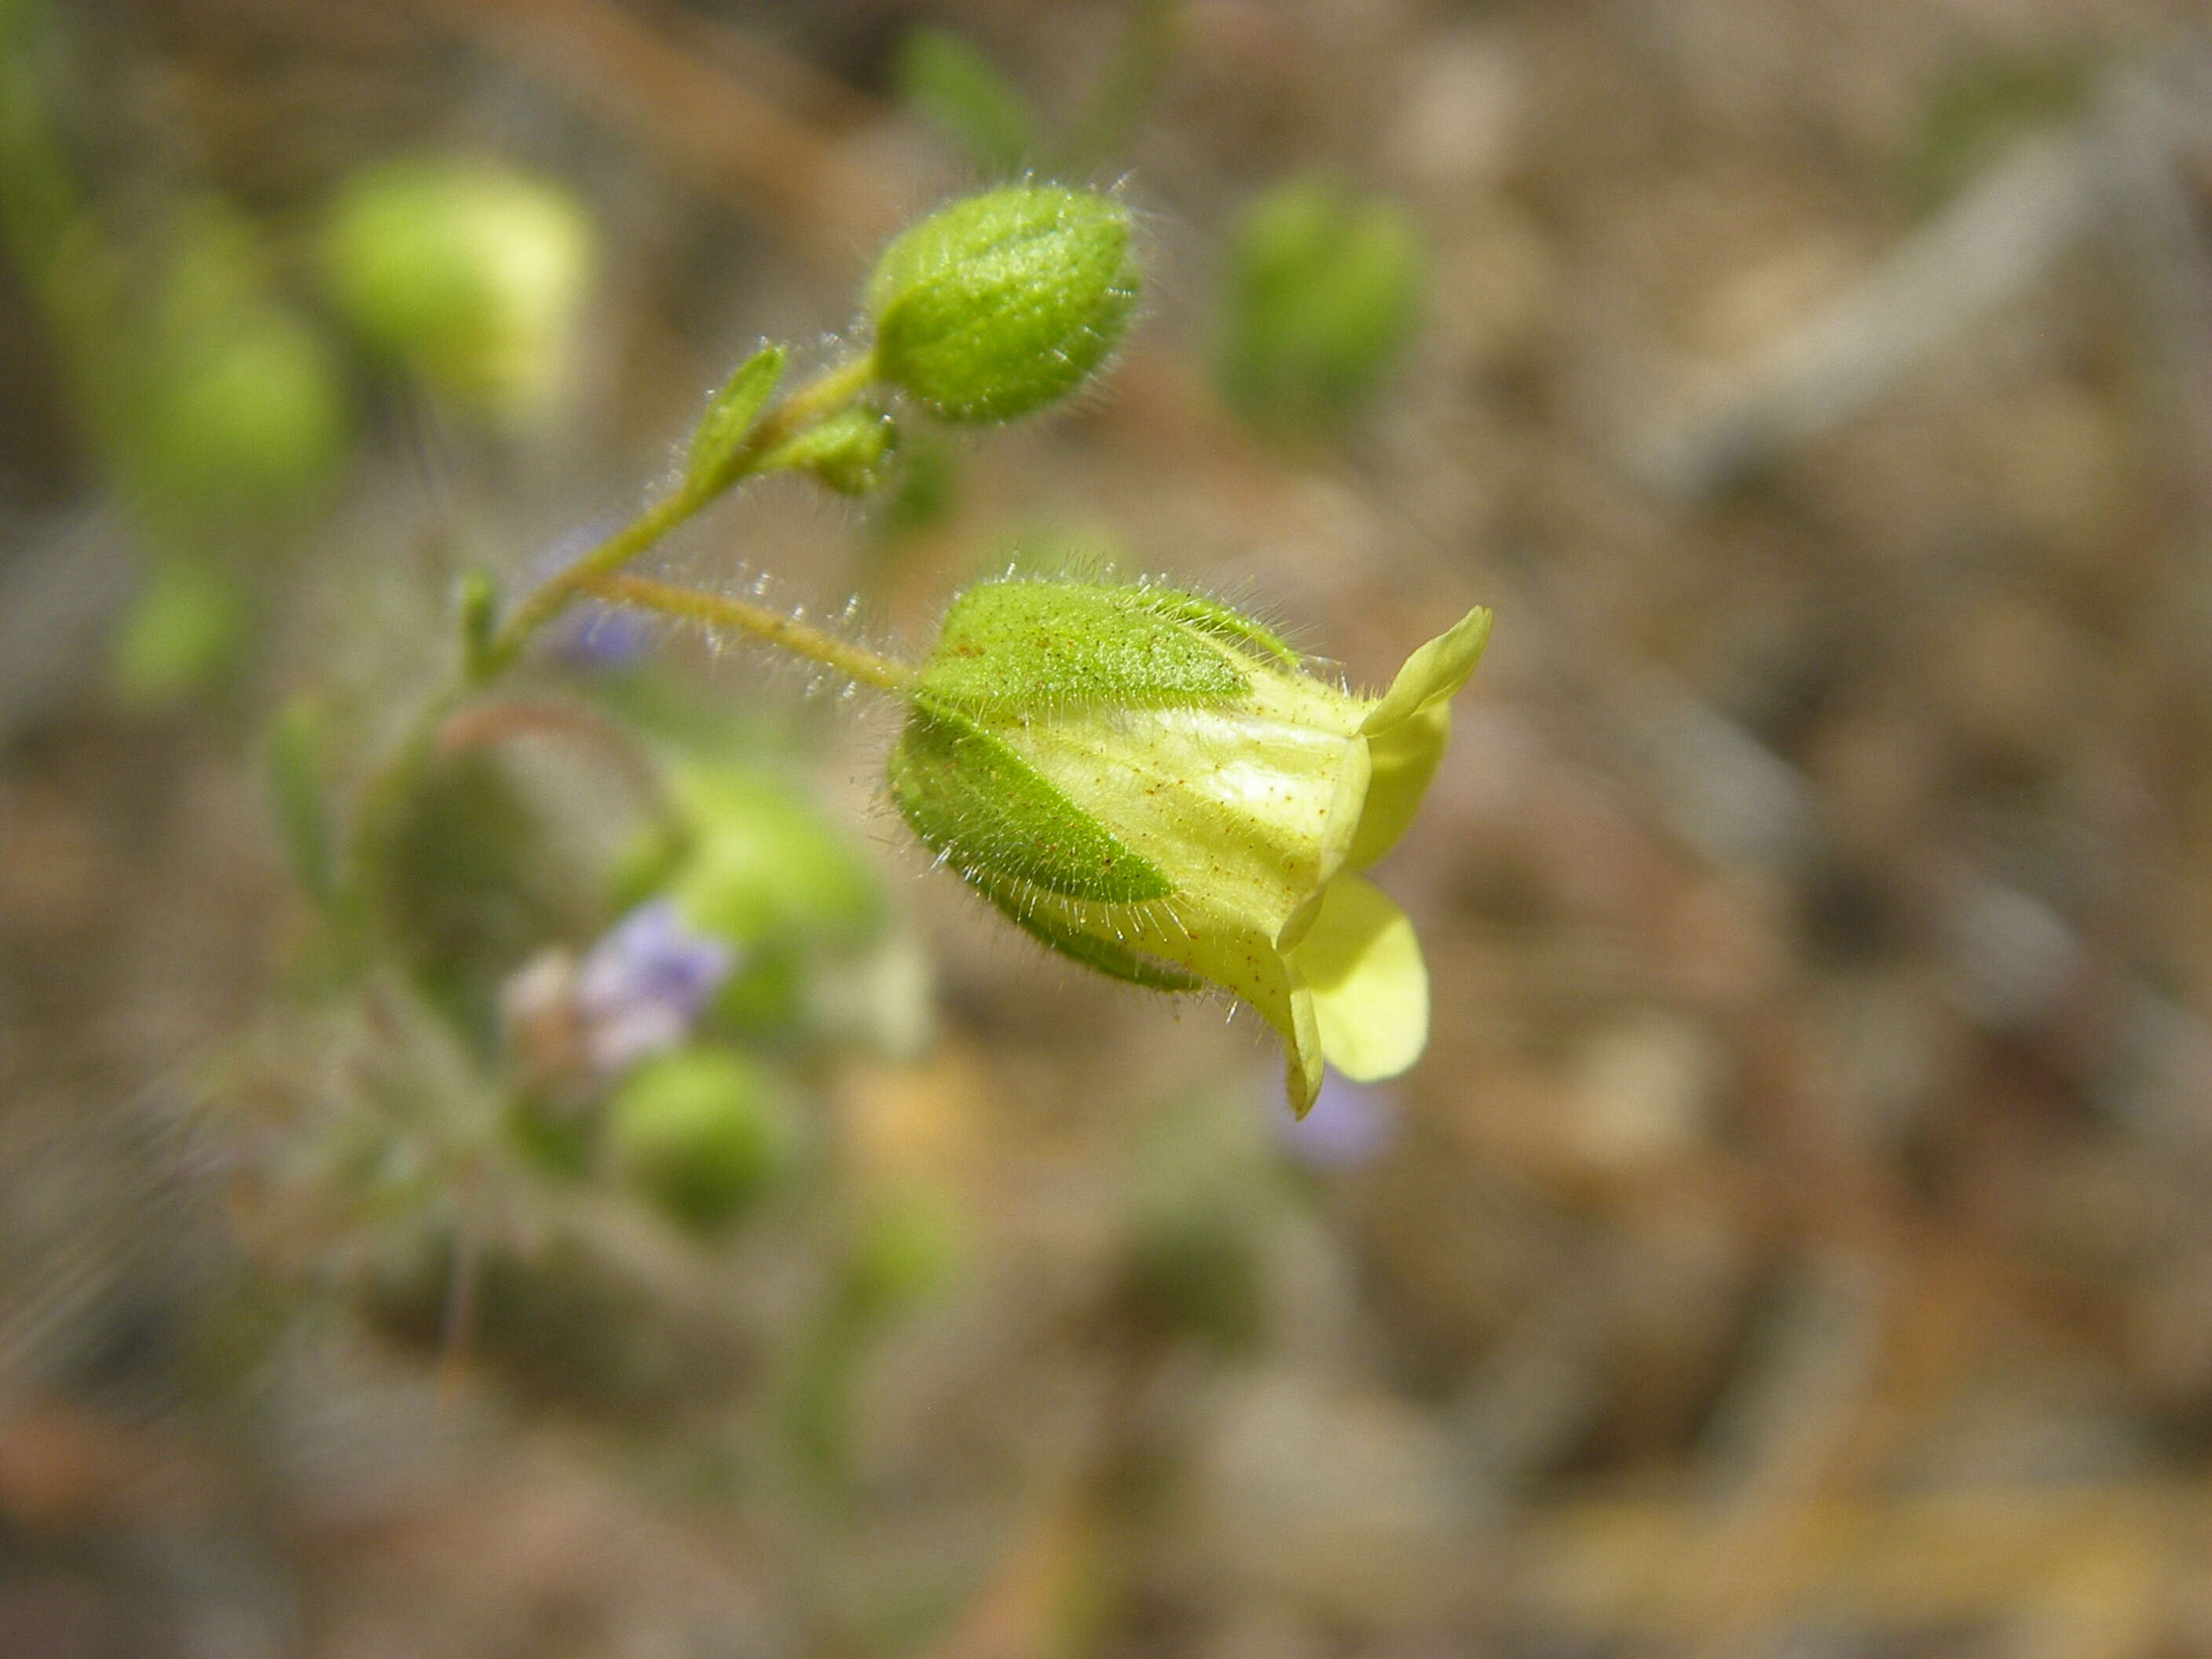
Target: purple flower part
(590, 634)
(643, 986)
(596, 636)
(627, 1035)
(1350, 1126)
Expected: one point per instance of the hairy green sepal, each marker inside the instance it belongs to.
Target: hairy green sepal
(1116, 961)
(1217, 619)
(1044, 645)
(991, 814)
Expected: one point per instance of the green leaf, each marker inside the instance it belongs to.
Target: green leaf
(972, 798)
(952, 84)
(294, 757)
(1054, 644)
(1115, 961)
(730, 416)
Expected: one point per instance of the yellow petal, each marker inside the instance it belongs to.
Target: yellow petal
(1371, 989)
(1401, 762)
(1407, 730)
(1432, 673)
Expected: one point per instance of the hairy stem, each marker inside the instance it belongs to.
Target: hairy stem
(384, 793)
(813, 403)
(853, 661)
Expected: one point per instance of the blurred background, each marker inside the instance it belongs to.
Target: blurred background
(716, 1234)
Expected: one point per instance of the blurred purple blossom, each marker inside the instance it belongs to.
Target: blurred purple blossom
(1351, 1126)
(590, 634)
(645, 983)
(595, 635)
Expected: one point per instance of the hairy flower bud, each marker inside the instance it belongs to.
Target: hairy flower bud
(1148, 782)
(1003, 303)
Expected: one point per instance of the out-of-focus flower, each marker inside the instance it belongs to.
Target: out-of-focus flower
(588, 634)
(1148, 782)
(643, 986)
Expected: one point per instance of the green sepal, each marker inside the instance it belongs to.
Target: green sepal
(1107, 957)
(730, 416)
(1033, 645)
(991, 814)
(847, 453)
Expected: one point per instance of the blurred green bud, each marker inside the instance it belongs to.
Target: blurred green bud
(763, 866)
(1000, 305)
(847, 453)
(909, 1247)
(702, 1132)
(242, 418)
(1148, 782)
(470, 273)
(184, 630)
(1323, 290)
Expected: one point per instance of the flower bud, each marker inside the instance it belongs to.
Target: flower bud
(703, 1132)
(1149, 783)
(1003, 303)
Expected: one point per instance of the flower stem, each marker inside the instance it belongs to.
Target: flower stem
(384, 793)
(813, 402)
(853, 661)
